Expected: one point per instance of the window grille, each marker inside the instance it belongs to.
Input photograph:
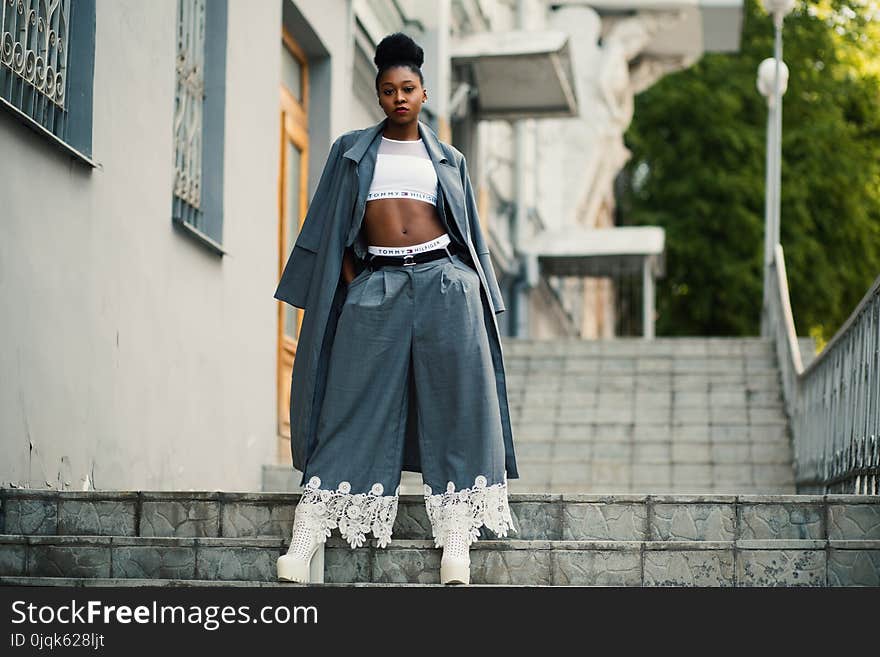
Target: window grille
(47, 67)
(199, 99)
(35, 52)
(188, 105)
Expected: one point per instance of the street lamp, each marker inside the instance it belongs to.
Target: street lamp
(772, 83)
(767, 78)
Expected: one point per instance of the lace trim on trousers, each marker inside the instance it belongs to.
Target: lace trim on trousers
(468, 509)
(355, 514)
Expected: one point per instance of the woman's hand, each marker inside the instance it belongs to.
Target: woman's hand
(348, 272)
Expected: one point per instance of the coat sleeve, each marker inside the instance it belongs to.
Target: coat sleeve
(297, 275)
(478, 239)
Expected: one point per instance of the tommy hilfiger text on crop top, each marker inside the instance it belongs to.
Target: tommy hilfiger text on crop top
(403, 170)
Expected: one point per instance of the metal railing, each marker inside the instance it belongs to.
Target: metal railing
(833, 403)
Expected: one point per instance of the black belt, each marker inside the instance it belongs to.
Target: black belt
(377, 261)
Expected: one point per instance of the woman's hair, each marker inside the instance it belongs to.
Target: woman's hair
(398, 49)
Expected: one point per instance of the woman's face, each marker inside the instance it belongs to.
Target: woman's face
(400, 89)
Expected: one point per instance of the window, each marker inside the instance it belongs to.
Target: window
(47, 63)
(364, 71)
(199, 116)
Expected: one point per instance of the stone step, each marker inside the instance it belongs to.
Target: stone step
(550, 516)
(659, 367)
(650, 453)
(659, 482)
(536, 399)
(638, 487)
(775, 433)
(626, 413)
(646, 362)
(642, 477)
(608, 472)
(572, 366)
(743, 562)
(635, 346)
(519, 382)
(697, 460)
(201, 583)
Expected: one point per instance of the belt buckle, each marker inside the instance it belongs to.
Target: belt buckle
(408, 264)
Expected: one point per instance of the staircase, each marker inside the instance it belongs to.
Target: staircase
(670, 415)
(642, 463)
(105, 538)
(628, 415)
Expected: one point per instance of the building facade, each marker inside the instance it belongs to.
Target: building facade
(156, 161)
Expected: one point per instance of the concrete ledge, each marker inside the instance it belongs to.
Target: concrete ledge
(851, 499)
(853, 545)
(161, 496)
(700, 498)
(598, 498)
(202, 583)
(132, 561)
(781, 544)
(427, 544)
(683, 546)
(780, 499)
(545, 516)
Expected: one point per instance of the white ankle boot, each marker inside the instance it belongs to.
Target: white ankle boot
(304, 561)
(455, 564)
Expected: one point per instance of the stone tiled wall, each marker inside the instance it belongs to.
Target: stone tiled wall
(621, 540)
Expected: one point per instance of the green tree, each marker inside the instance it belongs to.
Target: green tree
(699, 165)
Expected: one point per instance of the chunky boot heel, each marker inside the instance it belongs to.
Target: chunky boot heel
(455, 572)
(455, 564)
(293, 568)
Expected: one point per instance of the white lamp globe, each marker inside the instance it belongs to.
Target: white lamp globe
(781, 7)
(767, 74)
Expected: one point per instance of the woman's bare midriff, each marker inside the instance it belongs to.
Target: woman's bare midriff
(396, 222)
(401, 222)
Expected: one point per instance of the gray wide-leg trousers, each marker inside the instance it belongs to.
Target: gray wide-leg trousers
(424, 322)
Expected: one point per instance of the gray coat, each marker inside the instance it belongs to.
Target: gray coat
(312, 277)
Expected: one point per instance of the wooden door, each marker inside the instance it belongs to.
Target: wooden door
(292, 205)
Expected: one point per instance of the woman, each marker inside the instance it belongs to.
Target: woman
(412, 380)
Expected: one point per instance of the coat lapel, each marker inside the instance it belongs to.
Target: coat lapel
(447, 176)
(364, 151)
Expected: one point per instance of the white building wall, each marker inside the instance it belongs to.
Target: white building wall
(129, 352)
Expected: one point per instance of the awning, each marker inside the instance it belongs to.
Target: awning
(578, 251)
(519, 74)
(706, 25)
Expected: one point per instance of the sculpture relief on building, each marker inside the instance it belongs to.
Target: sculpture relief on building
(580, 157)
(624, 71)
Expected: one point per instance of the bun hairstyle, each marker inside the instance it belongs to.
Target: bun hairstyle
(398, 49)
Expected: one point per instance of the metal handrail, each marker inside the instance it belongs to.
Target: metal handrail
(834, 403)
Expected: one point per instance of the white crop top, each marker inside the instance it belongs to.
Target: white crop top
(403, 170)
